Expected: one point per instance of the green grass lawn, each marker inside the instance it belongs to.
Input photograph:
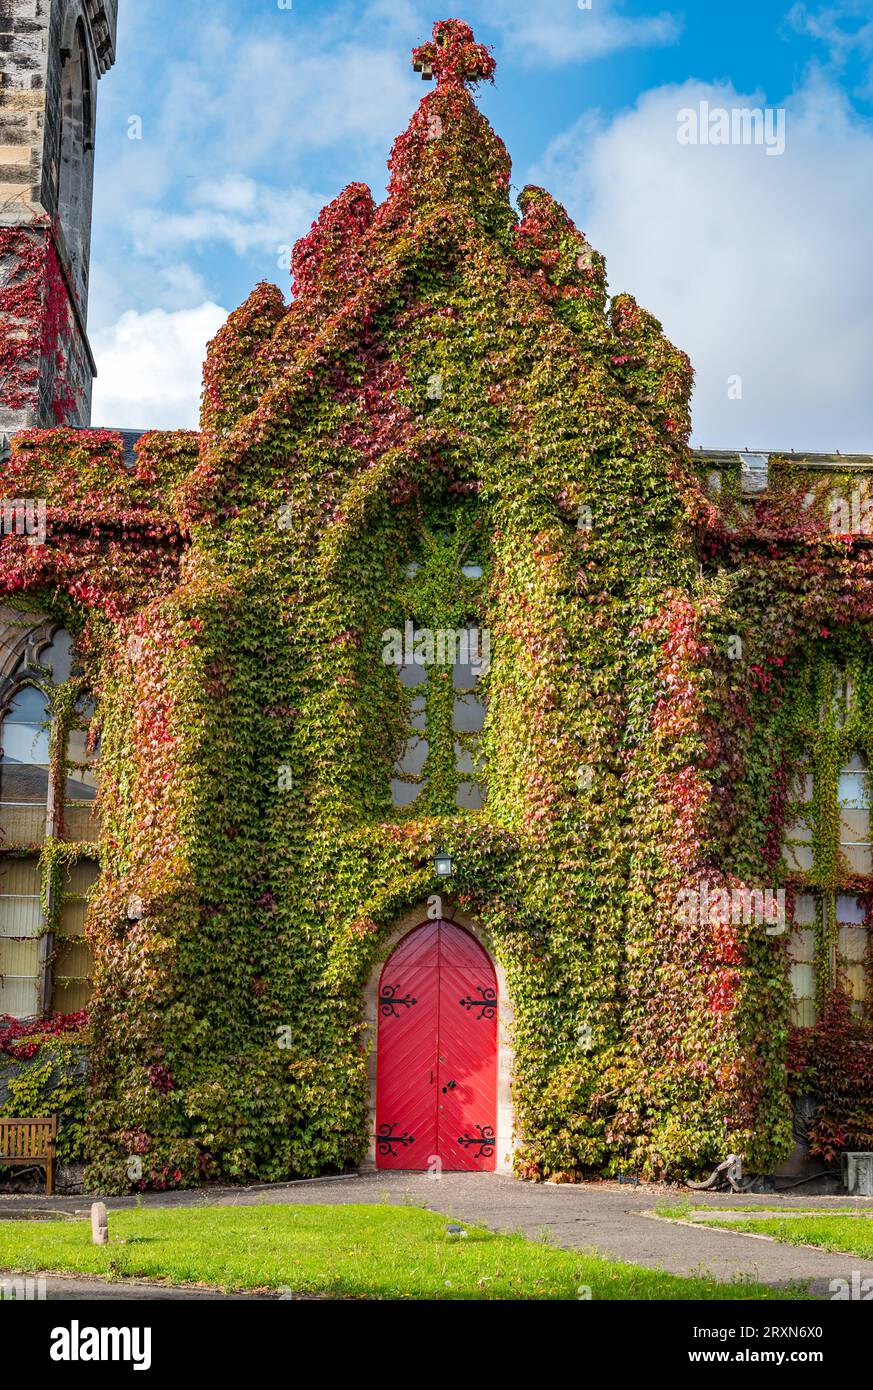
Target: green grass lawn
(339, 1251)
(785, 1206)
(850, 1234)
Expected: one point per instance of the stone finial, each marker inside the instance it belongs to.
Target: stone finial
(453, 56)
(99, 1224)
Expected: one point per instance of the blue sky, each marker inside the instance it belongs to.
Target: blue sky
(255, 114)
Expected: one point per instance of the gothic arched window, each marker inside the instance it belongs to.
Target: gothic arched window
(48, 782)
(25, 765)
(828, 852)
(75, 147)
(24, 788)
(442, 668)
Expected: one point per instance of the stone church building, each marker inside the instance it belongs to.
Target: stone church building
(432, 761)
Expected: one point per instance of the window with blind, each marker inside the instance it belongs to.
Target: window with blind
(827, 850)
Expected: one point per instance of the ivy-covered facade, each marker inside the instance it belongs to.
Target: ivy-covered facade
(439, 574)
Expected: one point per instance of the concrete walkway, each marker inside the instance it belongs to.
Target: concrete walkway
(74, 1289)
(612, 1220)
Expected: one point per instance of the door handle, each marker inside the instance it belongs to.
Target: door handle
(449, 1086)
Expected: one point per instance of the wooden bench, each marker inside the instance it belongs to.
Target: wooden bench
(30, 1143)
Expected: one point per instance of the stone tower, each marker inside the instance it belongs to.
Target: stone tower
(52, 55)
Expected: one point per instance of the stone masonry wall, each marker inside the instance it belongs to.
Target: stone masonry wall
(52, 54)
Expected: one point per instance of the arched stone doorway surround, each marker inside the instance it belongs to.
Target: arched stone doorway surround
(505, 1051)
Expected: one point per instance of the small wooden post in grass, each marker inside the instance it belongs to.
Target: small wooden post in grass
(99, 1224)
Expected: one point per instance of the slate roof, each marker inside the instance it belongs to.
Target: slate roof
(130, 438)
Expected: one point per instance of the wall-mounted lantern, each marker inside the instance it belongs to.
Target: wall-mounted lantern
(444, 865)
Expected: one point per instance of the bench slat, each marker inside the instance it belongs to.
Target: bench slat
(23, 1139)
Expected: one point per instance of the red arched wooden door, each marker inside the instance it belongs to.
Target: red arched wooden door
(436, 1064)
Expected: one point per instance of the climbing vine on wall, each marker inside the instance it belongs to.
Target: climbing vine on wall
(43, 1071)
(36, 323)
(448, 364)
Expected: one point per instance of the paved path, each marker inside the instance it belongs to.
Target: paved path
(73, 1289)
(612, 1220)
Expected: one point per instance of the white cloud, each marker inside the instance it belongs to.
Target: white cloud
(757, 266)
(827, 24)
(150, 367)
(127, 281)
(245, 215)
(837, 27)
(180, 287)
(241, 117)
(246, 96)
(559, 31)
